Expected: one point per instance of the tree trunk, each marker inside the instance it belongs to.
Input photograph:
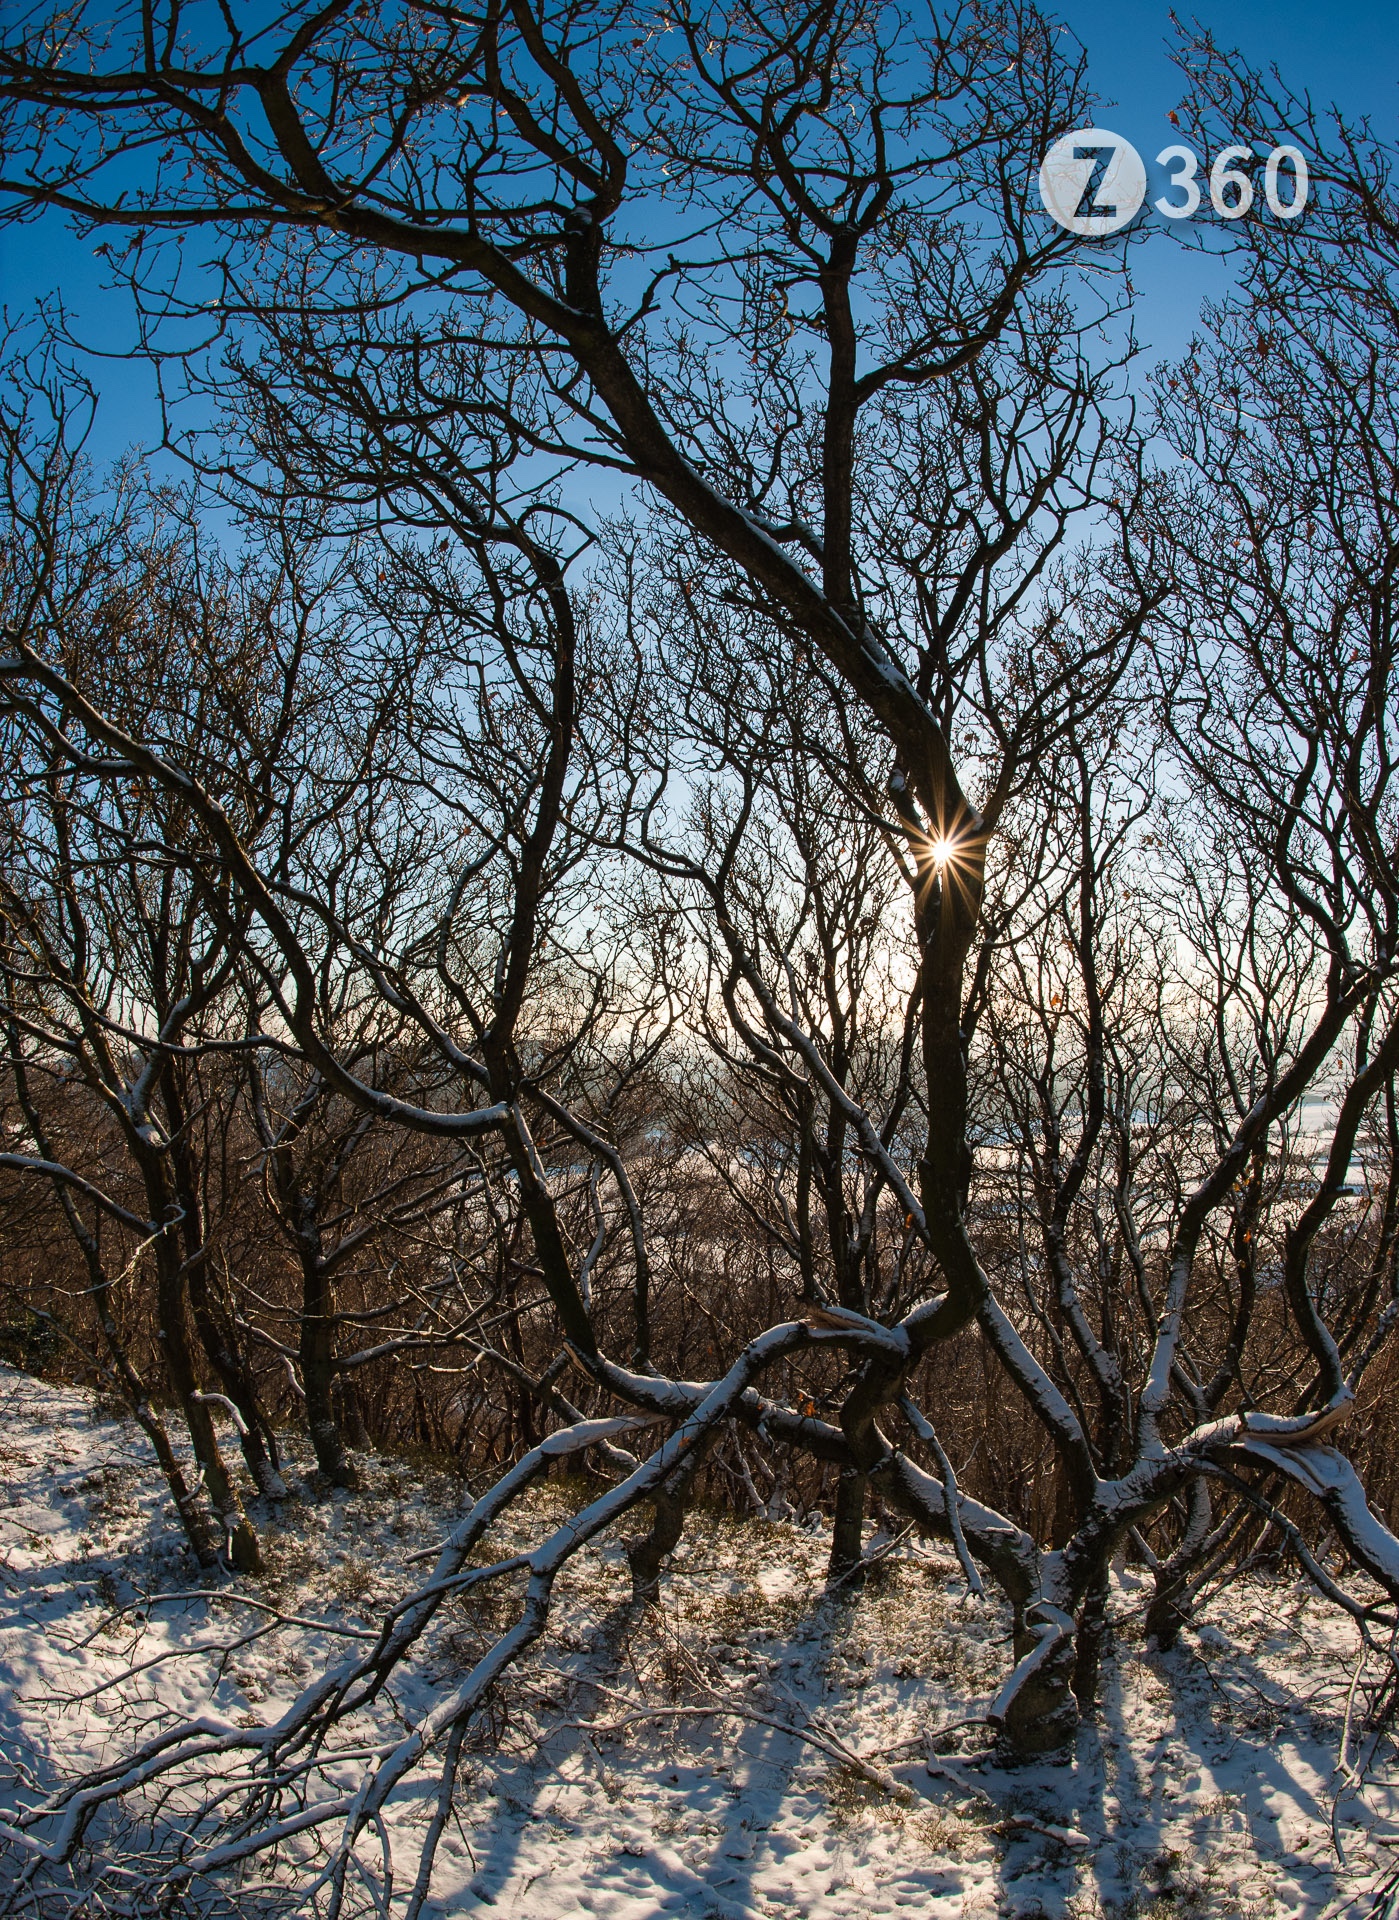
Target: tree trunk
(216, 1335)
(179, 1361)
(187, 1504)
(217, 1340)
(351, 1412)
(318, 1373)
(646, 1556)
(846, 1566)
(1091, 1639)
(1036, 1709)
(1170, 1606)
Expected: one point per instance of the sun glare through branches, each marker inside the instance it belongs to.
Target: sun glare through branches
(709, 857)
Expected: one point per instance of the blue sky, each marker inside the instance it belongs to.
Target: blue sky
(1349, 53)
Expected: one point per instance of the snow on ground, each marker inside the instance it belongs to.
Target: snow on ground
(1206, 1785)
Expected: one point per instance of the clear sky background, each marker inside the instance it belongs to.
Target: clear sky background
(1348, 53)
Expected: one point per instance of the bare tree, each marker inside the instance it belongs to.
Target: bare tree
(857, 695)
(113, 968)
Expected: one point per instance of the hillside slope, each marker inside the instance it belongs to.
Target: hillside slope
(641, 1766)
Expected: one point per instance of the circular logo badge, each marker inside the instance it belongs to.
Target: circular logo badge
(1092, 182)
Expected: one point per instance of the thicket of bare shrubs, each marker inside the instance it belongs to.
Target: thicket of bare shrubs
(446, 1364)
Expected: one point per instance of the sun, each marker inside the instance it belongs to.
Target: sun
(943, 851)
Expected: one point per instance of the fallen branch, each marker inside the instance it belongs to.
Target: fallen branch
(813, 1734)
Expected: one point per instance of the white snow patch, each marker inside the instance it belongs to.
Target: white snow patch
(1206, 1784)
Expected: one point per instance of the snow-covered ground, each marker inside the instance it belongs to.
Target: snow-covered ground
(619, 1779)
